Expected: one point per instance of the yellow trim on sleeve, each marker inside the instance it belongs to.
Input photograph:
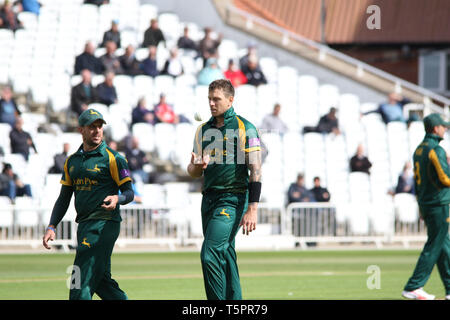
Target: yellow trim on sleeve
(68, 181)
(198, 140)
(253, 149)
(114, 170)
(241, 133)
(443, 178)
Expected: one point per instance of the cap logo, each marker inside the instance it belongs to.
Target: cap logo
(93, 112)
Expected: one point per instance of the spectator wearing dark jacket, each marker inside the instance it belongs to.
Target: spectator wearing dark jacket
(129, 63)
(141, 114)
(83, 93)
(405, 183)
(11, 185)
(253, 72)
(149, 65)
(297, 191)
(136, 160)
(21, 141)
(87, 60)
(185, 42)
(153, 35)
(112, 34)
(359, 162)
(320, 193)
(106, 91)
(8, 107)
(60, 159)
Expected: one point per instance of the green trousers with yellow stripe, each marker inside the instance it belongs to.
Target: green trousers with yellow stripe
(436, 250)
(221, 215)
(92, 263)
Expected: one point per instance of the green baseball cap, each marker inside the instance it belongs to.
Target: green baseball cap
(88, 116)
(433, 120)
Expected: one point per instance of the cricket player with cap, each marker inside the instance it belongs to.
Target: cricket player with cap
(227, 152)
(432, 182)
(94, 173)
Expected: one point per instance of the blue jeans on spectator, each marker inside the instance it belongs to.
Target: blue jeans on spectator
(13, 191)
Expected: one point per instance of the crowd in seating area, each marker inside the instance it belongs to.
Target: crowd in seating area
(149, 82)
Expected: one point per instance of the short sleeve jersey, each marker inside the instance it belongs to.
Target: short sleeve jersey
(93, 176)
(227, 147)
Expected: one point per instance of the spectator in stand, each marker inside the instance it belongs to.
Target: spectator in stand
(253, 72)
(113, 145)
(96, 2)
(405, 182)
(297, 191)
(320, 193)
(129, 63)
(8, 107)
(8, 18)
(164, 112)
(392, 110)
(11, 185)
(209, 73)
(153, 35)
(31, 6)
(328, 123)
(208, 46)
(141, 114)
(83, 93)
(273, 123)
(21, 141)
(136, 160)
(149, 65)
(87, 60)
(112, 34)
(106, 91)
(185, 42)
(251, 51)
(110, 62)
(173, 66)
(359, 162)
(59, 159)
(234, 74)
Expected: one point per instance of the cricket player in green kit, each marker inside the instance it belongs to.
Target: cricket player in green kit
(432, 182)
(94, 173)
(227, 152)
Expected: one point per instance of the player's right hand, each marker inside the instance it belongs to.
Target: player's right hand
(199, 160)
(48, 236)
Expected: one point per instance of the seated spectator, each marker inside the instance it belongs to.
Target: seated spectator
(320, 193)
(405, 182)
(153, 35)
(96, 2)
(136, 160)
(110, 62)
(251, 51)
(11, 185)
(106, 91)
(87, 60)
(8, 107)
(31, 6)
(185, 42)
(208, 46)
(328, 123)
(83, 93)
(253, 72)
(112, 34)
(113, 145)
(273, 123)
(234, 74)
(21, 141)
(209, 73)
(8, 17)
(164, 112)
(297, 191)
(59, 159)
(129, 63)
(141, 114)
(149, 65)
(392, 110)
(359, 162)
(173, 66)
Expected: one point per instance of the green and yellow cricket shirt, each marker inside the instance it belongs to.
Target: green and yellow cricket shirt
(431, 172)
(93, 176)
(227, 147)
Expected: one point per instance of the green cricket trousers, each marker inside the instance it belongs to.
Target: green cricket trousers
(92, 263)
(435, 251)
(221, 215)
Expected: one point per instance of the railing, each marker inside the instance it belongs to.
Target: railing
(298, 224)
(323, 51)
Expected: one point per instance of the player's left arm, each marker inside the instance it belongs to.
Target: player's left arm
(120, 173)
(253, 161)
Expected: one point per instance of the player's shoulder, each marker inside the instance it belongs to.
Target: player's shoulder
(247, 124)
(113, 154)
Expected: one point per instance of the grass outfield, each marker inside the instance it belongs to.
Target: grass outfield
(264, 275)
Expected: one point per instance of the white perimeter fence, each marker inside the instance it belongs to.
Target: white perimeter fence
(298, 225)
